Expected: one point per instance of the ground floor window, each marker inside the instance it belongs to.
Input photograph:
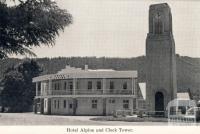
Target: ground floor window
(111, 101)
(45, 103)
(55, 104)
(58, 104)
(141, 104)
(126, 104)
(64, 104)
(38, 107)
(70, 106)
(94, 104)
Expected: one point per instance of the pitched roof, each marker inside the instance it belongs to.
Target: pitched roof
(183, 96)
(142, 87)
(71, 72)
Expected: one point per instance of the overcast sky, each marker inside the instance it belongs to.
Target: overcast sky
(118, 28)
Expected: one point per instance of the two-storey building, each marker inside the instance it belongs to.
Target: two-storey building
(76, 91)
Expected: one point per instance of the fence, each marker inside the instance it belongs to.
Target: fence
(182, 112)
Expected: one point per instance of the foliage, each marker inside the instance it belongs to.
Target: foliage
(19, 91)
(30, 23)
(188, 69)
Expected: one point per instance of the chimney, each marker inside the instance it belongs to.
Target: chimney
(86, 67)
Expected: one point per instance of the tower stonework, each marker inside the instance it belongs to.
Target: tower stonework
(161, 59)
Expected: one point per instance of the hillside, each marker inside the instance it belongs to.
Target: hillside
(188, 69)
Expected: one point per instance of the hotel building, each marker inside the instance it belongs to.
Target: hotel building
(76, 91)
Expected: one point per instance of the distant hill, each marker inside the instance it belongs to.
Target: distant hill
(188, 69)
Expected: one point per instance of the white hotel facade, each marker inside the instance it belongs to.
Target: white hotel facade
(76, 91)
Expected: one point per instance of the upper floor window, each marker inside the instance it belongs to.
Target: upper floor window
(77, 85)
(125, 86)
(55, 104)
(70, 85)
(98, 84)
(89, 84)
(65, 85)
(112, 85)
(39, 86)
(57, 86)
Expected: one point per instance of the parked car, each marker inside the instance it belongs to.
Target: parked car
(196, 111)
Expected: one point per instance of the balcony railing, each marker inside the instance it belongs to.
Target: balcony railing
(38, 93)
(118, 91)
(88, 92)
(60, 92)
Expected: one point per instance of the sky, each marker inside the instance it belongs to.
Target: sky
(118, 28)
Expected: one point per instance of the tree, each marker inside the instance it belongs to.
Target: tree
(19, 91)
(30, 23)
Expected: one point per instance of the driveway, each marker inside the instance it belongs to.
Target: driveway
(37, 119)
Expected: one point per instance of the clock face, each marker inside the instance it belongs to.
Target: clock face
(158, 15)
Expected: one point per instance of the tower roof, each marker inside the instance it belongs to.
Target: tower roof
(159, 6)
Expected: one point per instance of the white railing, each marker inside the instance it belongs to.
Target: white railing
(88, 92)
(182, 112)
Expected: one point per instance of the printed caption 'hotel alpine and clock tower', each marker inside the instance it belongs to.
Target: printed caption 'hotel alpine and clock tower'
(161, 59)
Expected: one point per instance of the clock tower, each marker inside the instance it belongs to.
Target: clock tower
(161, 59)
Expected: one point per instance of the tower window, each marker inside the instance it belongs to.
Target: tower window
(158, 24)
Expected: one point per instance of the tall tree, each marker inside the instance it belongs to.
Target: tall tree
(19, 91)
(30, 23)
